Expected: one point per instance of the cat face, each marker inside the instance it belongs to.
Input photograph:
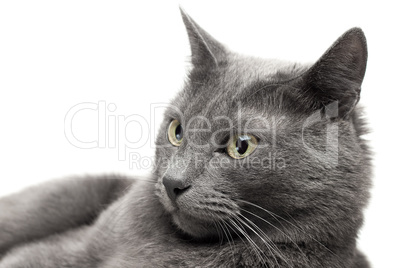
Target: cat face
(252, 142)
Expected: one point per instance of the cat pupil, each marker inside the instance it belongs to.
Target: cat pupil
(179, 133)
(241, 145)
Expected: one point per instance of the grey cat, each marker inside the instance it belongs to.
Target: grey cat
(259, 163)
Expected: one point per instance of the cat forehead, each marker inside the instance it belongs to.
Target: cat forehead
(251, 68)
(223, 90)
(240, 72)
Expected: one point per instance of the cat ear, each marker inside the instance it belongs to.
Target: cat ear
(205, 50)
(337, 76)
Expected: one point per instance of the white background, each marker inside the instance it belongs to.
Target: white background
(54, 55)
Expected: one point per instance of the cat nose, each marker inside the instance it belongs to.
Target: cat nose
(174, 187)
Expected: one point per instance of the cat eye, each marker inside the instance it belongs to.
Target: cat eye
(175, 133)
(241, 146)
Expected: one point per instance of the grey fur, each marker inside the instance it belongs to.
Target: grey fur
(305, 213)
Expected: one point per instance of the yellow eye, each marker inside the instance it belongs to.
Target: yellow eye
(241, 146)
(175, 133)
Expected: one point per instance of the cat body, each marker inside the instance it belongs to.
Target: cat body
(259, 163)
(135, 231)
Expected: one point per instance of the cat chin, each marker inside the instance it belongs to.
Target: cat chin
(194, 227)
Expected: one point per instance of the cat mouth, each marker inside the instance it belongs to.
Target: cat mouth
(207, 208)
(196, 225)
(197, 211)
(199, 218)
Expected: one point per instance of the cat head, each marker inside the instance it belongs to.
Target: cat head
(256, 142)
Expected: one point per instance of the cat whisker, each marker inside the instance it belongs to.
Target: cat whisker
(227, 234)
(272, 247)
(232, 225)
(253, 214)
(312, 238)
(220, 237)
(256, 248)
(262, 238)
(276, 216)
(270, 244)
(234, 228)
